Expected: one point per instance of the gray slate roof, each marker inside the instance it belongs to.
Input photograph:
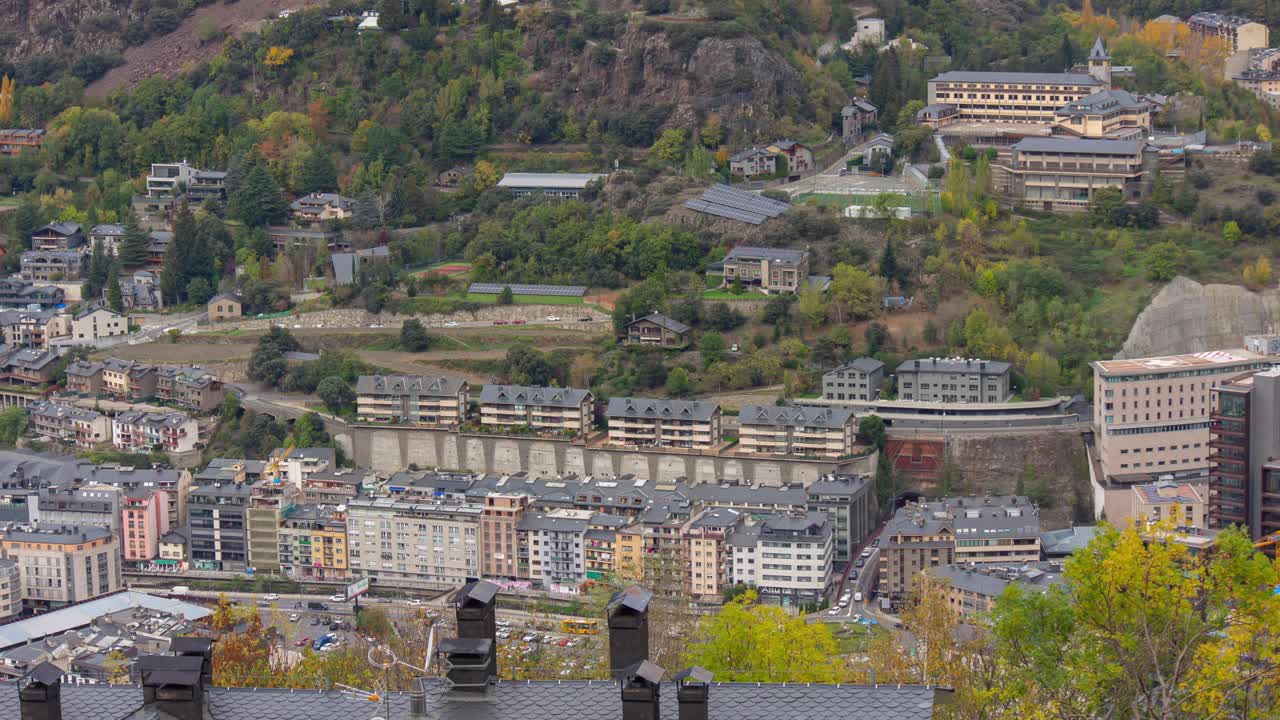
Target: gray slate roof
(442, 386)
(508, 700)
(529, 395)
(862, 364)
(661, 320)
(743, 253)
(1073, 145)
(1101, 101)
(644, 408)
(975, 76)
(823, 416)
(958, 365)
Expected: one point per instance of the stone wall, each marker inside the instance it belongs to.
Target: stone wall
(347, 318)
(1187, 317)
(992, 465)
(390, 449)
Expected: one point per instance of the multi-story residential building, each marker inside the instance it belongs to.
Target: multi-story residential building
(145, 519)
(68, 424)
(95, 323)
(1110, 114)
(980, 530)
(219, 540)
(541, 409)
(972, 590)
(108, 236)
(1066, 173)
(1168, 501)
(706, 551)
(658, 330)
(34, 328)
(87, 504)
(84, 377)
(499, 523)
(851, 504)
(318, 209)
(767, 269)
(812, 431)
(313, 543)
(954, 380)
(798, 156)
(859, 379)
(1151, 415)
(128, 379)
(172, 548)
(440, 400)
(426, 544)
(557, 547)
(555, 184)
(63, 565)
(57, 236)
(787, 557)
(1009, 97)
(1235, 32)
(138, 431)
(170, 179)
(14, 141)
(336, 486)
(50, 265)
(192, 387)
(856, 117)
(753, 161)
(663, 423)
(600, 545)
(27, 366)
(10, 589)
(1244, 444)
(269, 503)
(21, 294)
(291, 238)
(298, 465)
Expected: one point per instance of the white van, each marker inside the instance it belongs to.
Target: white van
(180, 590)
(857, 597)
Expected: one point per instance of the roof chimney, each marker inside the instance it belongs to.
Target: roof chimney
(640, 685)
(192, 646)
(469, 664)
(628, 629)
(693, 686)
(40, 693)
(475, 609)
(172, 685)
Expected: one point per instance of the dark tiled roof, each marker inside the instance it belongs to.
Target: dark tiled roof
(661, 320)
(443, 386)
(794, 416)
(1017, 77)
(862, 364)
(778, 255)
(620, 407)
(1073, 145)
(529, 395)
(956, 365)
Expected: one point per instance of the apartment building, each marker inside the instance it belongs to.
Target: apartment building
(128, 379)
(1151, 415)
(68, 425)
(173, 548)
(1236, 32)
(145, 519)
(786, 558)
(313, 543)
(20, 294)
(954, 380)
(1110, 114)
(219, 540)
(1165, 500)
(566, 411)
(86, 504)
(850, 502)
(600, 546)
(423, 544)
(1244, 444)
(298, 465)
(49, 265)
(798, 156)
(707, 552)
(25, 366)
(171, 179)
(980, 530)
(819, 431)
(269, 503)
(10, 589)
(84, 377)
(556, 543)
(138, 431)
(1065, 173)
(972, 590)
(439, 401)
(63, 565)
(55, 236)
(13, 141)
(1009, 97)
(34, 328)
(859, 379)
(753, 161)
(96, 323)
(319, 209)
(767, 269)
(499, 525)
(663, 423)
(192, 387)
(108, 236)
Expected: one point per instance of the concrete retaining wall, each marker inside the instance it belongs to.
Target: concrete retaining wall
(339, 319)
(390, 449)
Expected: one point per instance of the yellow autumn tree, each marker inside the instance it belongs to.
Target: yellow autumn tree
(278, 56)
(6, 98)
(1257, 274)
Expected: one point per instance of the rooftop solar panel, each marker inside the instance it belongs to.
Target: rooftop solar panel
(725, 195)
(519, 289)
(725, 211)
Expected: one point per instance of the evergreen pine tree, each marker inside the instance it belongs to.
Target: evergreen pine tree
(183, 246)
(99, 266)
(319, 173)
(171, 276)
(258, 201)
(889, 262)
(133, 248)
(114, 299)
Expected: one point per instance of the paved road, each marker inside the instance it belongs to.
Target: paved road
(158, 325)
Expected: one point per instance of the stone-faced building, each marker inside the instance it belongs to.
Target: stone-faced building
(954, 380)
(859, 379)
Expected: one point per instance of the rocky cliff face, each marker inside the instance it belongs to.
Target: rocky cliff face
(738, 78)
(32, 28)
(1188, 317)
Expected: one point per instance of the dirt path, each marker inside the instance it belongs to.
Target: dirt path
(167, 55)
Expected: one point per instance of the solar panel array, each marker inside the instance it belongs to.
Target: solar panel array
(723, 201)
(544, 290)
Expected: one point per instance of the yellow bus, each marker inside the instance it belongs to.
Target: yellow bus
(579, 627)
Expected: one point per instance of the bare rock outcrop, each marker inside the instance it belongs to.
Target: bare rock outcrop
(1186, 317)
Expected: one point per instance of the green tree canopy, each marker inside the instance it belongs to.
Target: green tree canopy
(750, 642)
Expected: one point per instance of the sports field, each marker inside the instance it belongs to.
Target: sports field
(527, 299)
(448, 269)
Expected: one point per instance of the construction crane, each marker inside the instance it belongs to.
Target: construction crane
(1268, 543)
(274, 466)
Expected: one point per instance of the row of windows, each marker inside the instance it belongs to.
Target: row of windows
(1155, 428)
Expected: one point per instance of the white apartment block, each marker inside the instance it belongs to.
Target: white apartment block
(1151, 415)
(787, 558)
(137, 431)
(440, 401)
(62, 565)
(427, 544)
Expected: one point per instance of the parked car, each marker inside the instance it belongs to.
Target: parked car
(834, 611)
(585, 318)
(452, 323)
(501, 322)
(337, 598)
(302, 641)
(553, 318)
(415, 602)
(264, 604)
(271, 597)
(861, 562)
(313, 605)
(866, 552)
(322, 641)
(295, 617)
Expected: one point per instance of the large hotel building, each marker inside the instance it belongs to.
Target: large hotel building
(1151, 415)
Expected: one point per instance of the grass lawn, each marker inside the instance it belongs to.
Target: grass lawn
(726, 295)
(528, 299)
(855, 638)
